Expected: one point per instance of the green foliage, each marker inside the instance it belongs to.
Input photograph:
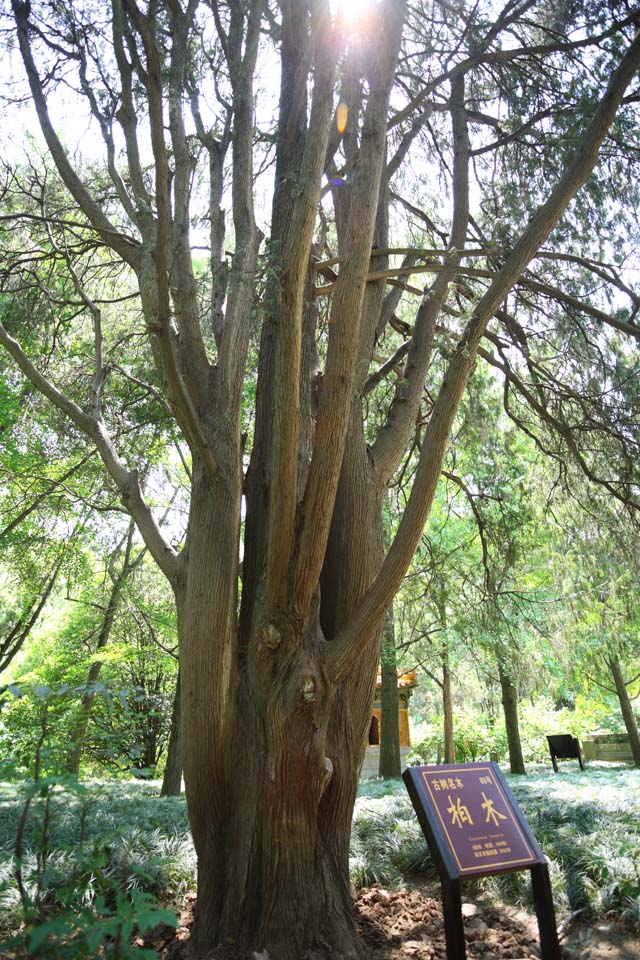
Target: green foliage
(479, 737)
(111, 845)
(88, 873)
(475, 738)
(101, 929)
(387, 845)
(587, 824)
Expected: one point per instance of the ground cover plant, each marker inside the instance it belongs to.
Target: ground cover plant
(121, 849)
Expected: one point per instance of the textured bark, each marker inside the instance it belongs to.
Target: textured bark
(626, 708)
(447, 710)
(283, 883)
(275, 703)
(79, 732)
(510, 706)
(390, 765)
(172, 778)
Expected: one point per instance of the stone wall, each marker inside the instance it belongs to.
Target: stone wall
(371, 763)
(607, 746)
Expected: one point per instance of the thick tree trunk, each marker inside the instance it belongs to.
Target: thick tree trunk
(271, 792)
(172, 779)
(277, 877)
(510, 707)
(390, 765)
(626, 707)
(447, 710)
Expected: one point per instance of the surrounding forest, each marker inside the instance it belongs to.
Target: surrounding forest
(318, 355)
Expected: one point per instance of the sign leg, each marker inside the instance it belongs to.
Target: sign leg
(453, 926)
(545, 912)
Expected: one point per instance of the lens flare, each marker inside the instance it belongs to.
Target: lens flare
(354, 12)
(342, 115)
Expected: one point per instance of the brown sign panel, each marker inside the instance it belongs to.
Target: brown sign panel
(472, 819)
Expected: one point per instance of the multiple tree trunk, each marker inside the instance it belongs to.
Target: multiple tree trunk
(275, 700)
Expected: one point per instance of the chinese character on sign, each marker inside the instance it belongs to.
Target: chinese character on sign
(459, 813)
(493, 815)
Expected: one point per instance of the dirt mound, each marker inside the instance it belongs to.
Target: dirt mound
(408, 925)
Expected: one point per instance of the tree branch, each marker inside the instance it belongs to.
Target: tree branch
(344, 329)
(128, 250)
(126, 481)
(343, 652)
(288, 310)
(392, 439)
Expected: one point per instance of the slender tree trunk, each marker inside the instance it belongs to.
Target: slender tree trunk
(510, 707)
(79, 730)
(626, 707)
(172, 779)
(447, 709)
(15, 637)
(390, 765)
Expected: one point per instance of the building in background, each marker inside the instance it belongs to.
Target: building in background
(371, 763)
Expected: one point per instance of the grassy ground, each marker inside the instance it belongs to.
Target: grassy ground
(122, 836)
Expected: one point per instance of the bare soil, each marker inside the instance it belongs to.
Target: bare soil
(408, 925)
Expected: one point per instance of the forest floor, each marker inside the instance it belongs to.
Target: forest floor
(407, 924)
(588, 825)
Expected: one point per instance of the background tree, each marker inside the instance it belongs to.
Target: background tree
(598, 573)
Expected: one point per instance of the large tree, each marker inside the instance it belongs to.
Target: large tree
(282, 583)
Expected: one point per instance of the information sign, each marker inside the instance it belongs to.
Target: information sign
(480, 826)
(474, 827)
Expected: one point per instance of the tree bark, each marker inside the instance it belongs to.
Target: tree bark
(510, 707)
(447, 710)
(274, 876)
(390, 764)
(79, 731)
(172, 779)
(276, 705)
(626, 707)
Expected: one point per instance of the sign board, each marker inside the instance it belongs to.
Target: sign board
(474, 827)
(475, 820)
(562, 746)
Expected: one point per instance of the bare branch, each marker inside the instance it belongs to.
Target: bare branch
(130, 252)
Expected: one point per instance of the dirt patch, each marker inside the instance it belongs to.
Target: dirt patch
(408, 925)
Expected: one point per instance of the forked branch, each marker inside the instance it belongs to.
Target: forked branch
(343, 653)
